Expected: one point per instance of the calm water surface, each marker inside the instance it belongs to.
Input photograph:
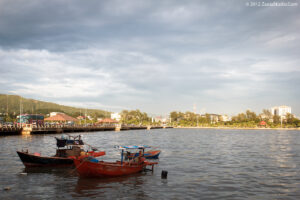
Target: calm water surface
(202, 164)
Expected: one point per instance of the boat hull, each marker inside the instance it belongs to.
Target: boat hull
(147, 154)
(152, 154)
(30, 160)
(106, 169)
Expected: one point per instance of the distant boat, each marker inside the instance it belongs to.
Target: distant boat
(91, 167)
(66, 148)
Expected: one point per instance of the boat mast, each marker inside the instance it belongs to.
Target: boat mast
(20, 111)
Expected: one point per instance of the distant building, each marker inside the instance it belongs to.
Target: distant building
(214, 118)
(107, 121)
(281, 110)
(89, 117)
(31, 119)
(55, 113)
(115, 116)
(159, 119)
(80, 117)
(224, 118)
(61, 118)
(262, 124)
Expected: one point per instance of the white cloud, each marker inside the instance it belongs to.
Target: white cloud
(56, 75)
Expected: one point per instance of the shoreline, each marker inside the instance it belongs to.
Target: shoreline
(238, 128)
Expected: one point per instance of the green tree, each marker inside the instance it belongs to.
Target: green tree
(267, 114)
(276, 119)
(134, 117)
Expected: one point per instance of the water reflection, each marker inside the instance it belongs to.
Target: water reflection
(281, 151)
(59, 171)
(90, 187)
(26, 137)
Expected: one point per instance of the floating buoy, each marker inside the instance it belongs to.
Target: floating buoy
(24, 174)
(7, 188)
(164, 174)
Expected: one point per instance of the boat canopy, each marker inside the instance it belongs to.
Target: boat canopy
(71, 140)
(133, 147)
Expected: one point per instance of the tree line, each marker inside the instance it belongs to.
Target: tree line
(246, 119)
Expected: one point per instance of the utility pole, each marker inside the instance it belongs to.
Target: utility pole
(80, 117)
(85, 117)
(20, 111)
(7, 105)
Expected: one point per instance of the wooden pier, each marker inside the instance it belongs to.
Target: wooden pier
(10, 130)
(29, 129)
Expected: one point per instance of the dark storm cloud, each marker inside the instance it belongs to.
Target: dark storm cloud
(204, 52)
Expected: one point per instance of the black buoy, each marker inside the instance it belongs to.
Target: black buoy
(164, 174)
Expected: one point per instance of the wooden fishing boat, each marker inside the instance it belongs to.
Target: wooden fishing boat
(66, 148)
(36, 160)
(91, 167)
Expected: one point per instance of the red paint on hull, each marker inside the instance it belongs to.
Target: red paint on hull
(107, 169)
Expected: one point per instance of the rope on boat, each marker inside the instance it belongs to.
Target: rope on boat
(76, 167)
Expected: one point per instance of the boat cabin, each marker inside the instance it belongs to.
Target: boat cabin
(70, 146)
(126, 151)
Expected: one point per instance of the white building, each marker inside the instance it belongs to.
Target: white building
(281, 110)
(52, 114)
(159, 119)
(225, 118)
(115, 116)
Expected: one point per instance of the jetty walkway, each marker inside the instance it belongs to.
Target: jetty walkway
(53, 129)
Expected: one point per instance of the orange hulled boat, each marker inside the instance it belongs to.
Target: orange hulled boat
(91, 167)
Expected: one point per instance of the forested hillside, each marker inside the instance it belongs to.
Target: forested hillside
(11, 104)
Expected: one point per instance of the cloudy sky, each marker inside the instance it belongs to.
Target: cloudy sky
(157, 56)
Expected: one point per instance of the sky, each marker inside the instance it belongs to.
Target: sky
(154, 55)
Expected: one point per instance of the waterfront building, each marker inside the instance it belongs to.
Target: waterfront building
(262, 124)
(107, 121)
(160, 119)
(61, 118)
(31, 119)
(80, 117)
(115, 116)
(281, 110)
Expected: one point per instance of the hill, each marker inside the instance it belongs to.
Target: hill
(11, 104)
